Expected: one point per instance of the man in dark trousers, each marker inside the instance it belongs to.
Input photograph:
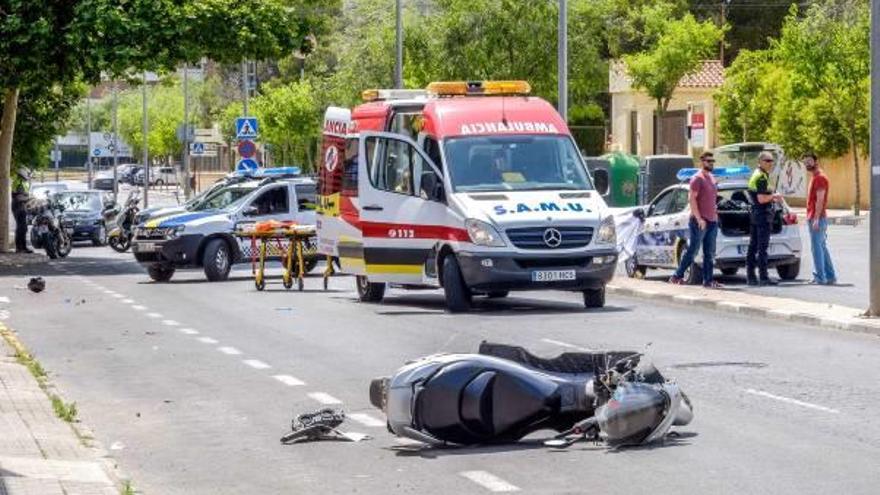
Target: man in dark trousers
(761, 218)
(20, 196)
(703, 224)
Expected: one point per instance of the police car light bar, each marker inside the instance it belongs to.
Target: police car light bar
(740, 172)
(268, 172)
(393, 94)
(479, 88)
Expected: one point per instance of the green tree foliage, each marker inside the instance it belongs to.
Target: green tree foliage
(43, 112)
(165, 114)
(751, 84)
(290, 120)
(677, 49)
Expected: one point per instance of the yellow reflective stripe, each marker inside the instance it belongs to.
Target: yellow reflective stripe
(396, 269)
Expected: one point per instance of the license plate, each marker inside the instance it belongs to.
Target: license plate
(146, 247)
(552, 275)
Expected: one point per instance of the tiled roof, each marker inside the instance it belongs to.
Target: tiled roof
(711, 75)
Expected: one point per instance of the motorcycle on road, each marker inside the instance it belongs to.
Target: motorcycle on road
(49, 229)
(504, 393)
(122, 233)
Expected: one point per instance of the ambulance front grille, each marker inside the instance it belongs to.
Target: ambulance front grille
(533, 237)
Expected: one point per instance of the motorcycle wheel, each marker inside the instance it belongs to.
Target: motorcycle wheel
(119, 244)
(65, 245)
(51, 245)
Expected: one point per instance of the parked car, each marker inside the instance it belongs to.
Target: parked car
(129, 172)
(103, 179)
(43, 190)
(85, 210)
(657, 172)
(159, 176)
(664, 236)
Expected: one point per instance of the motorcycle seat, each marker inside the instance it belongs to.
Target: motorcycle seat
(567, 362)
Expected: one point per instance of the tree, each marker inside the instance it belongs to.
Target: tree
(678, 49)
(44, 43)
(746, 99)
(290, 120)
(827, 52)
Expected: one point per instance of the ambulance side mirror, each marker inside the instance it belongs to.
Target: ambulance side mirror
(602, 180)
(432, 187)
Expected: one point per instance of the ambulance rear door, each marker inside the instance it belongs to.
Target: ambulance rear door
(337, 122)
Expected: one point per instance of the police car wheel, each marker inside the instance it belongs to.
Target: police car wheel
(789, 272)
(458, 296)
(216, 260)
(160, 272)
(368, 291)
(634, 269)
(729, 272)
(594, 298)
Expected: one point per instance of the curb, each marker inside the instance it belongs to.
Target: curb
(847, 324)
(84, 434)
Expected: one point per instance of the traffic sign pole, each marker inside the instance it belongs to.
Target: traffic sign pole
(187, 187)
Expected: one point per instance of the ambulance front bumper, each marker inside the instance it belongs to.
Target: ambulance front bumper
(485, 272)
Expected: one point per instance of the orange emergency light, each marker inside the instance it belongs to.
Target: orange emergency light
(479, 88)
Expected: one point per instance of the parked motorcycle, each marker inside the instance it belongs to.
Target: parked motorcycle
(121, 234)
(49, 229)
(504, 393)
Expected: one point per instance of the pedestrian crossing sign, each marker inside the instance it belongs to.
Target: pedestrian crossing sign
(197, 149)
(246, 127)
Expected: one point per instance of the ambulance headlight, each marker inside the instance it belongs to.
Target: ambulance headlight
(607, 233)
(483, 234)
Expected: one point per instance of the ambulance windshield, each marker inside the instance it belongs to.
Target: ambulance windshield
(515, 163)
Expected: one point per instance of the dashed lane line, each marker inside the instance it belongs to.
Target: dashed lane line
(289, 380)
(138, 307)
(127, 301)
(324, 398)
(489, 481)
(232, 351)
(788, 400)
(154, 315)
(118, 296)
(207, 340)
(189, 331)
(366, 420)
(256, 364)
(170, 323)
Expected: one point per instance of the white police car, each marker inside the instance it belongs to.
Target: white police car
(664, 235)
(206, 238)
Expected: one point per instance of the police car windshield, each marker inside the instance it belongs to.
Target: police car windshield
(224, 197)
(515, 163)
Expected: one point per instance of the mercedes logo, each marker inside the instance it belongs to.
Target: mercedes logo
(552, 238)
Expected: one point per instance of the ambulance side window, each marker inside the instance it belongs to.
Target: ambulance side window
(350, 170)
(432, 149)
(391, 167)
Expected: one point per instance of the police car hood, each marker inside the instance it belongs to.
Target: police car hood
(190, 219)
(162, 211)
(534, 207)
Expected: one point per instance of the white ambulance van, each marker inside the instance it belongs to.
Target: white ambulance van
(474, 187)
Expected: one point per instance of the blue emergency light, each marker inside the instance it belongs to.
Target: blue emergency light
(740, 172)
(268, 172)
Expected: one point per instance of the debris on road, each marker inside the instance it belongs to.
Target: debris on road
(37, 285)
(320, 425)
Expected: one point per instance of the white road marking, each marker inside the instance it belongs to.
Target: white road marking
(489, 481)
(325, 399)
(4, 314)
(788, 400)
(567, 345)
(138, 307)
(232, 351)
(108, 292)
(118, 296)
(4, 299)
(366, 420)
(127, 301)
(289, 380)
(256, 363)
(154, 315)
(170, 323)
(207, 340)
(189, 331)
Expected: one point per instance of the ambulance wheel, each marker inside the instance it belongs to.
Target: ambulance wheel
(160, 272)
(458, 296)
(216, 260)
(368, 291)
(594, 298)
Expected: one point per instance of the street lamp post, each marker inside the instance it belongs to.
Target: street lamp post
(398, 59)
(245, 84)
(145, 130)
(562, 60)
(89, 138)
(115, 144)
(187, 189)
(874, 294)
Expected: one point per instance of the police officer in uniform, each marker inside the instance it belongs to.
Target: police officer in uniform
(20, 195)
(761, 219)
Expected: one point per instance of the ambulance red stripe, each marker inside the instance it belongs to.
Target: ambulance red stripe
(413, 231)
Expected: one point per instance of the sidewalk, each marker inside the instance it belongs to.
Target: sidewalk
(39, 453)
(737, 300)
(835, 217)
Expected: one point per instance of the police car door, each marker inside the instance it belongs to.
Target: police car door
(653, 244)
(271, 202)
(400, 225)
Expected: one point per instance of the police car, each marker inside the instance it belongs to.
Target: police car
(664, 236)
(205, 239)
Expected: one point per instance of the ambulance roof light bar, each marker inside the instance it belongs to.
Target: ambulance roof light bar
(479, 88)
(369, 95)
(724, 173)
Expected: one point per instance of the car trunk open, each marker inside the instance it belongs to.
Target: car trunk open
(734, 218)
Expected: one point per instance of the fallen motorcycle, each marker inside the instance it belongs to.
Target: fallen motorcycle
(505, 393)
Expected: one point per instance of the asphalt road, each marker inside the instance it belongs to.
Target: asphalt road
(190, 385)
(849, 252)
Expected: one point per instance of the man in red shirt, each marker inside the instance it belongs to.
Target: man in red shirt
(817, 222)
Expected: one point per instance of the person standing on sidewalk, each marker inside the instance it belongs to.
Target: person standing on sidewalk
(761, 219)
(20, 196)
(703, 224)
(817, 222)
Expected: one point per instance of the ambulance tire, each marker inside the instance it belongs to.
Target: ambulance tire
(369, 292)
(594, 298)
(458, 296)
(217, 260)
(160, 272)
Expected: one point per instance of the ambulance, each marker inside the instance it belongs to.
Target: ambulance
(473, 187)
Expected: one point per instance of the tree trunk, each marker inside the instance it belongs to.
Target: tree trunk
(7, 132)
(855, 151)
(658, 128)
